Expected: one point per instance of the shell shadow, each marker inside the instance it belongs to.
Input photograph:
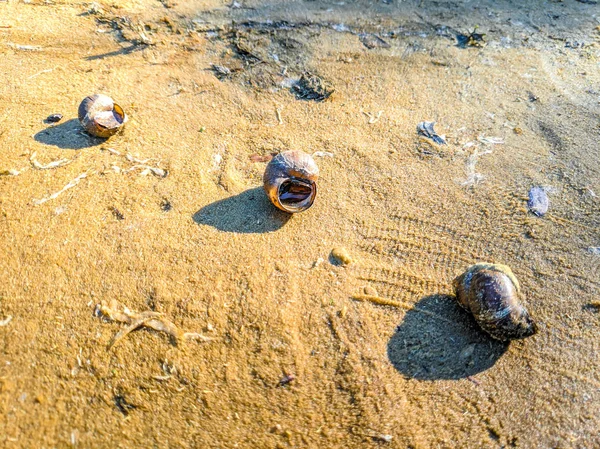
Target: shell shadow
(249, 212)
(68, 135)
(427, 348)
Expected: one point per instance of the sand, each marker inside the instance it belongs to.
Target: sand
(304, 352)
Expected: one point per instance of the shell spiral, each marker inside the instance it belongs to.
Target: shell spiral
(100, 116)
(290, 181)
(492, 294)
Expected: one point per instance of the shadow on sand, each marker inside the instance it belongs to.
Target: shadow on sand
(248, 212)
(450, 347)
(68, 135)
(122, 51)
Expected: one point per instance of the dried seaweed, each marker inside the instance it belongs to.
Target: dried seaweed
(71, 184)
(472, 39)
(312, 87)
(149, 319)
(50, 165)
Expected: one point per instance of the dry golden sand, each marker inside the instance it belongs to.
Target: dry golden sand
(399, 366)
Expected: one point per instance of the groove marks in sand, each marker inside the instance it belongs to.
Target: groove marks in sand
(406, 257)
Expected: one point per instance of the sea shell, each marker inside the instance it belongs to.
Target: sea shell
(290, 181)
(538, 202)
(100, 116)
(492, 294)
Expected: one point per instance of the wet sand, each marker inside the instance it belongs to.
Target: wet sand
(304, 352)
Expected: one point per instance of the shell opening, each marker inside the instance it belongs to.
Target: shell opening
(110, 119)
(296, 194)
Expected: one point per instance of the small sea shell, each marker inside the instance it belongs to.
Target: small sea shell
(54, 118)
(538, 202)
(100, 116)
(290, 181)
(426, 129)
(491, 293)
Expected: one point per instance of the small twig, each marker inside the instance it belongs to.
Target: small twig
(131, 158)
(381, 301)
(146, 169)
(111, 150)
(373, 118)
(140, 164)
(24, 47)
(376, 436)
(40, 73)
(9, 172)
(491, 140)
(53, 164)
(278, 114)
(71, 184)
(322, 154)
(474, 380)
(161, 377)
(401, 305)
(195, 336)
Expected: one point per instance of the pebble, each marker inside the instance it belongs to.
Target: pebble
(54, 118)
(370, 291)
(341, 256)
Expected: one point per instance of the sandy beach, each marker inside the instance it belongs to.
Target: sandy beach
(287, 347)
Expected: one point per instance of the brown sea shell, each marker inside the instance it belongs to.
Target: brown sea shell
(100, 116)
(492, 294)
(290, 181)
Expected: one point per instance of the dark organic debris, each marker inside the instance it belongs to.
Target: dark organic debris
(221, 71)
(168, 4)
(372, 41)
(117, 213)
(538, 202)
(54, 118)
(290, 43)
(122, 404)
(588, 2)
(472, 39)
(312, 87)
(288, 378)
(245, 48)
(150, 319)
(166, 205)
(426, 129)
(273, 25)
